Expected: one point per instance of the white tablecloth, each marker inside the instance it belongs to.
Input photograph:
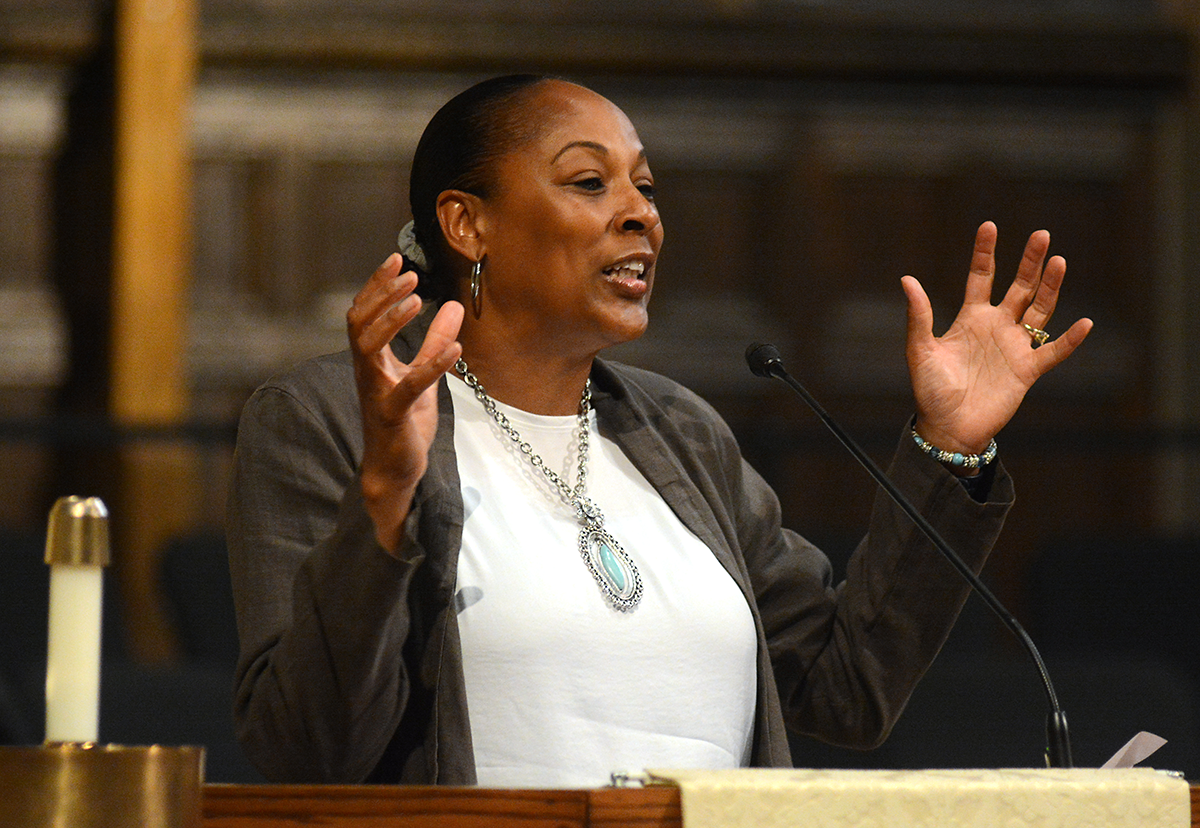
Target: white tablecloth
(1076, 798)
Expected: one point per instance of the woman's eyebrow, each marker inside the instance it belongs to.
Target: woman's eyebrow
(594, 146)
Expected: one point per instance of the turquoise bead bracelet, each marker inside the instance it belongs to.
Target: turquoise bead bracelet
(954, 458)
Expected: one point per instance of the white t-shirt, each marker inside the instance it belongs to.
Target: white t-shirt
(562, 689)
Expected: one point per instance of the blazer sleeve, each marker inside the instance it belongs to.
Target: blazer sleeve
(846, 657)
(322, 614)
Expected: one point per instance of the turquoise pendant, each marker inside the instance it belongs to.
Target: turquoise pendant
(612, 567)
(614, 571)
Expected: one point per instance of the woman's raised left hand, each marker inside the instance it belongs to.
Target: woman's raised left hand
(969, 382)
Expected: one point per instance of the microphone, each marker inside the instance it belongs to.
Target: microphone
(765, 361)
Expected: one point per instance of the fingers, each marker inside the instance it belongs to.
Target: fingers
(1046, 298)
(387, 387)
(983, 265)
(384, 306)
(1033, 295)
(1025, 287)
(439, 351)
(1055, 351)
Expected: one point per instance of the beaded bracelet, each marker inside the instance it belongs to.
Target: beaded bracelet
(954, 458)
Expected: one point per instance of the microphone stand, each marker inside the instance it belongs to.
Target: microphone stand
(765, 361)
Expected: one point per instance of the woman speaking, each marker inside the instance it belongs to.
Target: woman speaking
(469, 550)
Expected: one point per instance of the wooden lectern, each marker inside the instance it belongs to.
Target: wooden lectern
(371, 806)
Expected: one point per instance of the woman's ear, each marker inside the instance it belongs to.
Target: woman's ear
(463, 225)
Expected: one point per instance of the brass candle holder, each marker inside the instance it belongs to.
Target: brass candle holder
(101, 786)
(73, 780)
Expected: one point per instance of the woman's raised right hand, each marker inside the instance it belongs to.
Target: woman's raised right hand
(398, 400)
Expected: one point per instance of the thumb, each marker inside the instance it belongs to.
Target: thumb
(920, 314)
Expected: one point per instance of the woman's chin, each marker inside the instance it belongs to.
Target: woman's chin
(629, 325)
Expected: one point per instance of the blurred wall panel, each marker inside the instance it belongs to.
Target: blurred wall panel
(807, 156)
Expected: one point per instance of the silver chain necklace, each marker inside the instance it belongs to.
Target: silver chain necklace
(614, 571)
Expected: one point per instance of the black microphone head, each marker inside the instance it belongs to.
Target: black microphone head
(761, 359)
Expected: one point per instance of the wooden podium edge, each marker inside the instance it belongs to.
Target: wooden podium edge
(260, 806)
(656, 806)
(359, 806)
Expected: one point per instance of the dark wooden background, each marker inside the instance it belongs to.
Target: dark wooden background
(807, 155)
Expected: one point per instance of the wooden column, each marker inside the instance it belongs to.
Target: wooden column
(155, 70)
(1177, 402)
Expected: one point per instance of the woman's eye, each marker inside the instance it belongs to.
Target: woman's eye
(647, 190)
(593, 184)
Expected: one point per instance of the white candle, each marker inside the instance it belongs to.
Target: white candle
(73, 660)
(77, 551)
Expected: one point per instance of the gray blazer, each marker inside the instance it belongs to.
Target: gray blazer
(350, 666)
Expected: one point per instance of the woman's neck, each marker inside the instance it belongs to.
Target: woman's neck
(539, 383)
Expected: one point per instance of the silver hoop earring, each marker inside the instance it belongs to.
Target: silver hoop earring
(476, 281)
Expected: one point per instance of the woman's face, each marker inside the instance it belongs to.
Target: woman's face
(571, 232)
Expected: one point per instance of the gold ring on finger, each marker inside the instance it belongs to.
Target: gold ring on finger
(1039, 336)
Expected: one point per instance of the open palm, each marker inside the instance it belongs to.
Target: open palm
(969, 382)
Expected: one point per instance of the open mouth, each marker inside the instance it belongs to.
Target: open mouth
(627, 270)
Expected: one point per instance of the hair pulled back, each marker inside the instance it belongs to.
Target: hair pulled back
(456, 152)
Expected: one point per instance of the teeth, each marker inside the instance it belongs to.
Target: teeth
(629, 270)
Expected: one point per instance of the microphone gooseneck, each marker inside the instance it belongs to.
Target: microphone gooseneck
(765, 361)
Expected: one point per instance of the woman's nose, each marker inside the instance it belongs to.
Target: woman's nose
(638, 213)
